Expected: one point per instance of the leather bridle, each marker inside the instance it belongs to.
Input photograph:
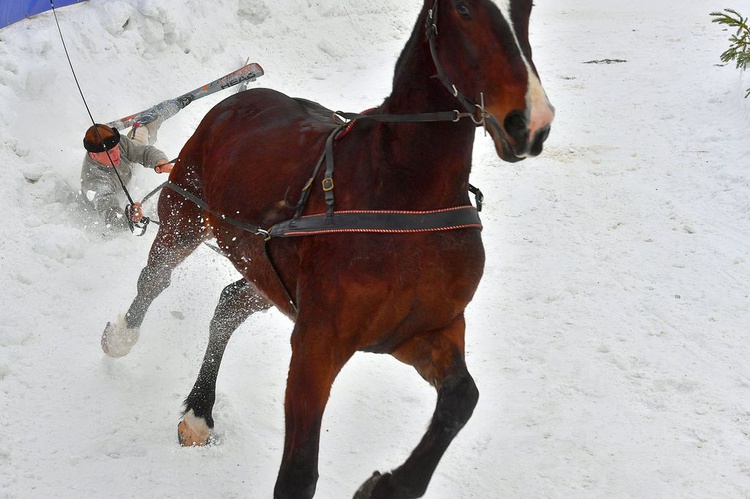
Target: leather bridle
(473, 110)
(477, 112)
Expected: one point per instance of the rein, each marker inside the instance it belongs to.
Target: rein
(143, 224)
(253, 229)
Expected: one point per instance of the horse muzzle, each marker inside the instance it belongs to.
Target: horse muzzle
(517, 138)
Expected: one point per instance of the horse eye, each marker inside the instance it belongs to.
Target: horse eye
(463, 9)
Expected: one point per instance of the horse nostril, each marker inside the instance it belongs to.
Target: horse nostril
(517, 127)
(539, 137)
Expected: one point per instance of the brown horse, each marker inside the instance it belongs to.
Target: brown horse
(390, 263)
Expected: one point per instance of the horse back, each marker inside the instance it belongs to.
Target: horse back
(253, 151)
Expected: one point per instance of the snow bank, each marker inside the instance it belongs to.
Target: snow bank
(608, 337)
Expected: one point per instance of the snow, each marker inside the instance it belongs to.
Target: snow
(608, 336)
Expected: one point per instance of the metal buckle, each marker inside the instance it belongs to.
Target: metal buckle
(327, 184)
(141, 225)
(339, 119)
(482, 120)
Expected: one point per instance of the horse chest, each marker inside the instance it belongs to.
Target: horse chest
(444, 272)
(393, 281)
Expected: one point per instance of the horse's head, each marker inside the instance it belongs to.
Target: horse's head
(482, 53)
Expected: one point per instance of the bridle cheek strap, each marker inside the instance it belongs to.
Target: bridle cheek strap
(477, 112)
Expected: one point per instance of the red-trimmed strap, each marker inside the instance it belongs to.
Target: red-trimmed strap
(380, 221)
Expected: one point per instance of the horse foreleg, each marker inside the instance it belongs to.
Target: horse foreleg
(439, 358)
(179, 235)
(314, 366)
(238, 301)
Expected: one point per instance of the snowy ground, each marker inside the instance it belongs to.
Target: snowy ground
(608, 337)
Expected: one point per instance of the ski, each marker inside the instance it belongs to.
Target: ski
(170, 107)
(243, 86)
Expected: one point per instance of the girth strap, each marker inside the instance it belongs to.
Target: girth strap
(380, 221)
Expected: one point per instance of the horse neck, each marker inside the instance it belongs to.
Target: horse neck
(436, 155)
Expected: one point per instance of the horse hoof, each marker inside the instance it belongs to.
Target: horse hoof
(193, 431)
(367, 488)
(118, 338)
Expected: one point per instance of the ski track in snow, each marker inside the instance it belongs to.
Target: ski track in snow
(608, 337)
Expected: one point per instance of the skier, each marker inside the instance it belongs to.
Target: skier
(100, 185)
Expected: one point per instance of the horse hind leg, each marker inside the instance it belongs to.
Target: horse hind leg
(439, 358)
(180, 233)
(238, 301)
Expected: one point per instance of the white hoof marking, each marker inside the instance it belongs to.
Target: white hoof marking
(118, 338)
(193, 430)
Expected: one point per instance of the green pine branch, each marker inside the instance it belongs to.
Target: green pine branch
(739, 48)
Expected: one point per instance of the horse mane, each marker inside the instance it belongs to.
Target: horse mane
(411, 46)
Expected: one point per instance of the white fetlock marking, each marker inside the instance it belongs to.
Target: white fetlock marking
(118, 338)
(193, 430)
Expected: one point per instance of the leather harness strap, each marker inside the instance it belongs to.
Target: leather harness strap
(204, 206)
(351, 221)
(379, 221)
(374, 221)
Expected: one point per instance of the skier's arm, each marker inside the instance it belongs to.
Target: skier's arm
(148, 156)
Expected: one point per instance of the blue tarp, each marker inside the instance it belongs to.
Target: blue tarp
(12, 11)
